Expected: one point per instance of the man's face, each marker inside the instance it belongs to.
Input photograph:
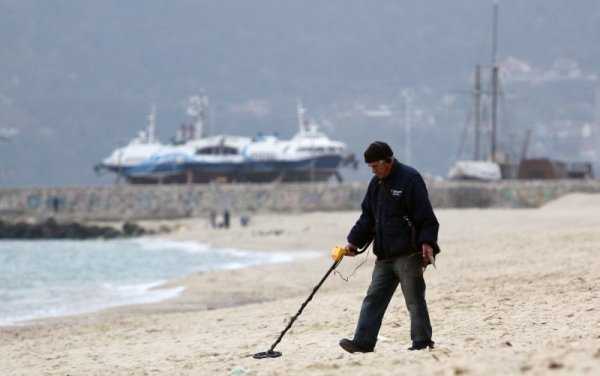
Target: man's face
(380, 168)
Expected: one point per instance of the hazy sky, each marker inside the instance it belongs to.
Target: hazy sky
(78, 77)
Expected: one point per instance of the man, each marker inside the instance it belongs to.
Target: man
(404, 229)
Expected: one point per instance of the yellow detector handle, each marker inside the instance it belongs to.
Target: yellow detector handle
(337, 253)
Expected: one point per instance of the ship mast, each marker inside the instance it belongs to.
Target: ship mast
(198, 109)
(151, 124)
(477, 100)
(304, 128)
(301, 110)
(493, 155)
(407, 94)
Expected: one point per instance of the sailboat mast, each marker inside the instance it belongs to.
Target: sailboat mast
(477, 95)
(494, 84)
(407, 126)
(495, 34)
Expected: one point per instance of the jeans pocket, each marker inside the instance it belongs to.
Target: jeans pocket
(414, 264)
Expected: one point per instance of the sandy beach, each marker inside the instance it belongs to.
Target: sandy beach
(515, 291)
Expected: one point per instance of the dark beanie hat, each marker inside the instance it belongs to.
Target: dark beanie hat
(377, 151)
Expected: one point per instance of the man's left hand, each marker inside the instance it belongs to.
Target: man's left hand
(427, 253)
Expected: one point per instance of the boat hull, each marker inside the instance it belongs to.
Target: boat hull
(315, 169)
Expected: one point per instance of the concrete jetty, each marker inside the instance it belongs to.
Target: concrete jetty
(134, 202)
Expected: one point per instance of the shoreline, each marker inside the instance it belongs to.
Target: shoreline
(171, 288)
(514, 291)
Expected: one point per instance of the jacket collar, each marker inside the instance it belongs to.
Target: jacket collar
(395, 171)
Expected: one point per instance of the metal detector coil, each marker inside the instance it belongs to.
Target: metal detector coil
(267, 354)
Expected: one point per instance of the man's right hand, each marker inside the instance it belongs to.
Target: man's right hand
(351, 250)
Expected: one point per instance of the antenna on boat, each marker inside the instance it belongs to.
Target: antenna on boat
(151, 124)
(198, 109)
(301, 110)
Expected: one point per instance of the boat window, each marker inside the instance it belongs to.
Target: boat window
(259, 156)
(315, 149)
(217, 150)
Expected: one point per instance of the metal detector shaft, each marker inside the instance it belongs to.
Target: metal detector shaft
(337, 254)
(335, 264)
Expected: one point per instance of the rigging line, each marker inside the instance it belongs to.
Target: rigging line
(508, 130)
(507, 117)
(466, 128)
(485, 124)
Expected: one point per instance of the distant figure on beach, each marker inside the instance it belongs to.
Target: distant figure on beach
(55, 204)
(244, 220)
(226, 216)
(398, 217)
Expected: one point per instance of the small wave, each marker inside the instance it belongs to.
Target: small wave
(107, 296)
(160, 245)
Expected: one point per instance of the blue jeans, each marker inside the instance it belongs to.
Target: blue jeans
(387, 274)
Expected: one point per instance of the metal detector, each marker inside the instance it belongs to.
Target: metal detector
(337, 253)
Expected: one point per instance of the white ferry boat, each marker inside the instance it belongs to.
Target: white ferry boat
(195, 158)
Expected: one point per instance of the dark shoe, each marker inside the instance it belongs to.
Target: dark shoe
(421, 346)
(352, 347)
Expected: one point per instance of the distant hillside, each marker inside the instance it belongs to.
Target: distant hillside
(79, 77)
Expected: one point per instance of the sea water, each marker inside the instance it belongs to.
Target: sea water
(47, 278)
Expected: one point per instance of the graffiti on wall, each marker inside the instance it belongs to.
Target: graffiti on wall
(531, 197)
(33, 201)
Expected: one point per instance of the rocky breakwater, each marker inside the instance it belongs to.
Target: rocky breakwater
(51, 229)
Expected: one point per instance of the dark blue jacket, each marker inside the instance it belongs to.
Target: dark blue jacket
(383, 220)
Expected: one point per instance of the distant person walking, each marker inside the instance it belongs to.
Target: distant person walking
(398, 217)
(226, 218)
(55, 204)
